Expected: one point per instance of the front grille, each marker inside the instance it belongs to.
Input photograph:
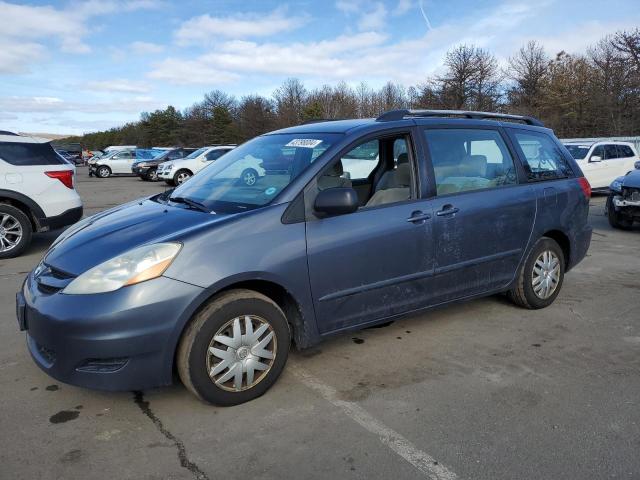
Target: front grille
(51, 280)
(632, 194)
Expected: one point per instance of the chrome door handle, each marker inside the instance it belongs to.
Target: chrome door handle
(447, 210)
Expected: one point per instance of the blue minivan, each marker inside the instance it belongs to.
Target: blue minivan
(363, 221)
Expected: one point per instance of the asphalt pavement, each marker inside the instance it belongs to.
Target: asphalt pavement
(478, 390)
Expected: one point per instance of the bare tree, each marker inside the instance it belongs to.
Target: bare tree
(528, 69)
(290, 101)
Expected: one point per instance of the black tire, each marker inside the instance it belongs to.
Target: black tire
(523, 294)
(616, 220)
(249, 177)
(180, 173)
(103, 171)
(152, 175)
(25, 224)
(191, 357)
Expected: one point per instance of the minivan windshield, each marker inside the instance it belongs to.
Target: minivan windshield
(253, 174)
(578, 152)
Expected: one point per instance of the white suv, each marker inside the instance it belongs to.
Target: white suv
(177, 171)
(36, 191)
(603, 162)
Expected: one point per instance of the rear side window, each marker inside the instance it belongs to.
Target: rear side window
(543, 158)
(625, 151)
(469, 159)
(26, 154)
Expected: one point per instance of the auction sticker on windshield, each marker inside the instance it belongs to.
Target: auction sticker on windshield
(304, 143)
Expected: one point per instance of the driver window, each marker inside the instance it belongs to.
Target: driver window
(379, 171)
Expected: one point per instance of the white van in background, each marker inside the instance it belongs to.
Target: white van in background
(603, 162)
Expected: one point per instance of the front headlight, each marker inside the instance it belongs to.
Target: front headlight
(616, 186)
(135, 266)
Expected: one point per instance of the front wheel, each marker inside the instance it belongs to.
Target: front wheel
(15, 231)
(103, 171)
(249, 177)
(181, 176)
(616, 219)
(235, 349)
(152, 175)
(540, 277)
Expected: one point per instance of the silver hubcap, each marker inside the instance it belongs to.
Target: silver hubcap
(103, 172)
(241, 353)
(182, 177)
(546, 274)
(10, 232)
(249, 178)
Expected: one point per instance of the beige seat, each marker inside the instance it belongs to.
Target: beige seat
(395, 185)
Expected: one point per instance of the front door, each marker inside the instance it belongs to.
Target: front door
(377, 261)
(483, 217)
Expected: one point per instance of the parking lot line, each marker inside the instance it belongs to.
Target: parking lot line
(422, 461)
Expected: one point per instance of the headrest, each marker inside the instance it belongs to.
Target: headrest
(403, 158)
(403, 175)
(336, 170)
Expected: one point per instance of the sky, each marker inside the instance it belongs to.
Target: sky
(70, 67)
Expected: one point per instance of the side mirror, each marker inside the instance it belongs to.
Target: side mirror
(637, 165)
(336, 201)
(595, 158)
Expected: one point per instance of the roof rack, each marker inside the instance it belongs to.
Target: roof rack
(393, 115)
(320, 120)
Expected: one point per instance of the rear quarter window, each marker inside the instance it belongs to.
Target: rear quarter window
(543, 158)
(28, 154)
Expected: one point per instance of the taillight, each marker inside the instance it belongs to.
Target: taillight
(586, 187)
(65, 176)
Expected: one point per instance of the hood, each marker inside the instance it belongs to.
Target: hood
(631, 179)
(111, 233)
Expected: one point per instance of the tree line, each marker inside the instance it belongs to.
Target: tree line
(592, 94)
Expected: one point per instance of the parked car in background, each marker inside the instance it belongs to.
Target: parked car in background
(147, 169)
(36, 191)
(623, 203)
(174, 172)
(113, 148)
(70, 157)
(216, 278)
(120, 162)
(602, 162)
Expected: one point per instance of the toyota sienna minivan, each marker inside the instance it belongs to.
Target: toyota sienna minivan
(216, 279)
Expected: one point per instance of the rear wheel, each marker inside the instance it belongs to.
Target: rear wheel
(540, 277)
(103, 171)
(616, 219)
(15, 231)
(234, 349)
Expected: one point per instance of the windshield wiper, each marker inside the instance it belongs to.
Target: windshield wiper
(191, 203)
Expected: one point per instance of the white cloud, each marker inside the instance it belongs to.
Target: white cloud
(17, 104)
(348, 6)
(402, 7)
(146, 48)
(27, 29)
(336, 58)
(374, 19)
(121, 86)
(205, 28)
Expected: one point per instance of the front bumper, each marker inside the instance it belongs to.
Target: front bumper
(122, 340)
(141, 171)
